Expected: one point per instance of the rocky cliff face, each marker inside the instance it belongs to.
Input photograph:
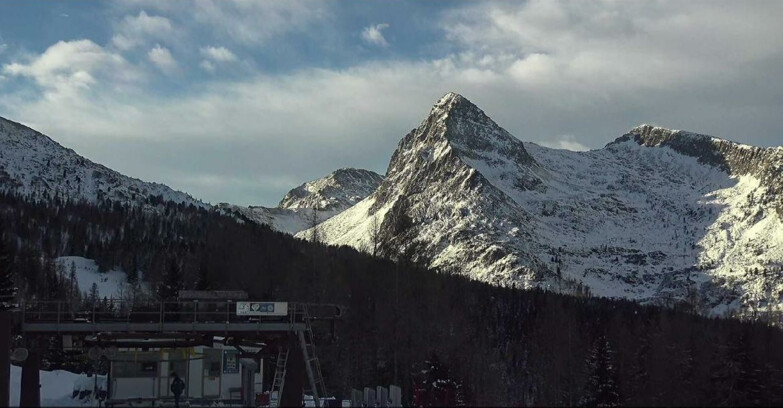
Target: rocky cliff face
(765, 164)
(657, 216)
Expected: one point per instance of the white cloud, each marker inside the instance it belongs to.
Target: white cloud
(220, 54)
(68, 66)
(610, 45)
(567, 142)
(214, 56)
(161, 57)
(134, 31)
(291, 127)
(207, 66)
(255, 22)
(373, 35)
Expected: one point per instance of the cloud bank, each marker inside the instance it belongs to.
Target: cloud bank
(571, 75)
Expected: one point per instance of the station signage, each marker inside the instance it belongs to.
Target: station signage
(230, 361)
(262, 308)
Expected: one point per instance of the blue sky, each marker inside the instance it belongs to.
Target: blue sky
(239, 101)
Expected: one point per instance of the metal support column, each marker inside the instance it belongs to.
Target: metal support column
(5, 360)
(309, 368)
(31, 381)
(248, 368)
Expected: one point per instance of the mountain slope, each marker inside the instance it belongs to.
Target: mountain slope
(657, 215)
(313, 201)
(33, 164)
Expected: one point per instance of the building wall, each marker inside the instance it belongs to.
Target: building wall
(203, 374)
(195, 375)
(133, 387)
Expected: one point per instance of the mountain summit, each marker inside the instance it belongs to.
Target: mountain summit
(449, 178)
(471, 132)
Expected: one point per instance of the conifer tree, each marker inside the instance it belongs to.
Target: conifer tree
(202, 282)
(601, 389)
(169, 288)
(92, 296)
(7, 287)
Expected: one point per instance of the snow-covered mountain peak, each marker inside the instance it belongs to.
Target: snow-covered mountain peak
(448, 99)
(457, 146)
(337, 191)
(312, 202)
(457, 173)
(472, 133)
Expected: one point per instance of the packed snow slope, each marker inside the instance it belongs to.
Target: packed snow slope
(111, 284)
(34, 165)
(57, 388)
(313, 202)
(659, 216)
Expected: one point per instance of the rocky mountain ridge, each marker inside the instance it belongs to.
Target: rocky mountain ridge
(34, 165)
(765, 164)
(658, 216)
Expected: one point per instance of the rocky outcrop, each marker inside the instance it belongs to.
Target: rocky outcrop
(766, 164)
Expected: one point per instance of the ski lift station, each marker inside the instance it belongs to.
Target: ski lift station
(209, 373)
(215, 341)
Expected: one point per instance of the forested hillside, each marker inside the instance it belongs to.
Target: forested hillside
(409, 325)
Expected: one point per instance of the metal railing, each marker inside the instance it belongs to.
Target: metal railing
(160, 312)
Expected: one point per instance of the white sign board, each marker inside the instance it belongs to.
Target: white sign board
(262, 308)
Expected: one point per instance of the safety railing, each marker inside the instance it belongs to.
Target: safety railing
(117, 311)
(196, 311)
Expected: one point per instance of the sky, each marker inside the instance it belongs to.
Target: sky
(239, 101)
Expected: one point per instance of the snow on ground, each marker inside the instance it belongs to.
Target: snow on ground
(111, 284)
(56, 388)
(290, 221)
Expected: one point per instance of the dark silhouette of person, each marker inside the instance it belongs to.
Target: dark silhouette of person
(177, 386)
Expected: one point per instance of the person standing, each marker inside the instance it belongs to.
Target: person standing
(177, 386)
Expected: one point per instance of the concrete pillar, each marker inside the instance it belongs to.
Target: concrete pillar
(5, 361)
(31, 383)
